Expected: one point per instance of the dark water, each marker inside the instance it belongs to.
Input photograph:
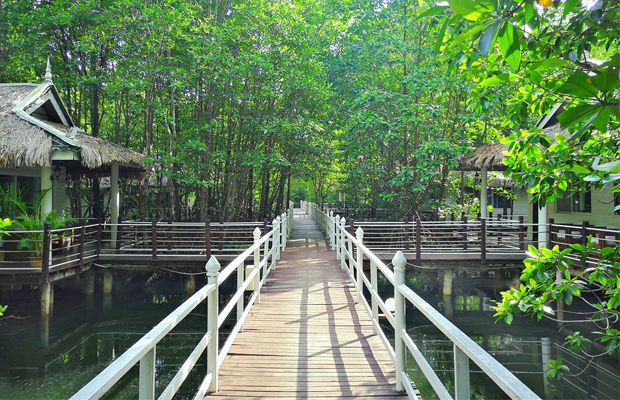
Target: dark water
(522, 347)
(86, 335)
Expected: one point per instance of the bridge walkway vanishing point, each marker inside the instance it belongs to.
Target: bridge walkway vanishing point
(308, 337)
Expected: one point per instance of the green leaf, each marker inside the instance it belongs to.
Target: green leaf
(549, 63)
(579, 169)
(487, 39)
(510, 46)
(569, 6)
(469, 9)
(613, 167)
(431, 12)
(602, 120)
(579, 85)
(440, 35)
(606, 80)
(497, 79)
(508, 318)
(574, 115)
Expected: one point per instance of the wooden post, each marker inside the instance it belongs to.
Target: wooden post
(332, 238)
(274, 241)
(399, 261)
(550, 233)
(81, 246)
(98, 237)
(44, 279)
(521, 233)
(584, 238)
(499, 230)
(208, 237)
(374, 285)
(483, 240)
(343, 255)
(257, 264)
(154, 238)
(337, 236)
(418, 242)
(406, 222)
(213, 271)
(464, 234)
(360, 265)
(119, 234)
(279, 242)
(461, 375)
(146, 388)
(220, 244)
(169, 234)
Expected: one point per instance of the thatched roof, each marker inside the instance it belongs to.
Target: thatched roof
(32, 127)
(491, 155)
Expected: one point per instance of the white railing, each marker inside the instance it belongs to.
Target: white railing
(263, 253)
(352, 252)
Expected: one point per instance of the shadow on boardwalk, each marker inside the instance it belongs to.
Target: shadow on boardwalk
(308, 337)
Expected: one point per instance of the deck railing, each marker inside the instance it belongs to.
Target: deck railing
(351, 251)
(134, 242)
(263, 252)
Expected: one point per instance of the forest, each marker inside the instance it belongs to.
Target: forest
(241, 106)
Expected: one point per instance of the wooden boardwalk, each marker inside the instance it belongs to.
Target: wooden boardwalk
(308, 338)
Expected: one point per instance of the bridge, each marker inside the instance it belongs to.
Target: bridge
(309, 322)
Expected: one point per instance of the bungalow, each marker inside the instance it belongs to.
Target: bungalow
(593, 206)
(40, 146)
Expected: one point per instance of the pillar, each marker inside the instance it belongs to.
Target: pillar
(483, 192)
(543, 221)
(190, 284)
(447, 281)
(448, 307)
(59, 192)
(46, 186)
(546, 350)
(114, 203)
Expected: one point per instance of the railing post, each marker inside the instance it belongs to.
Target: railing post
(521, 233)
(275, 239)
(45, 287)
(406, 222)
(154, 238)
(213, 271)
(337, 236)
(399, 261)
(284, 230)
(257, 264)
(350, 247)
(82, 239)
(332, 232)
(464, 234)
(550, 234)
(208, 237)
(240, 280)
(99, 237)
(343, 249)
(375, 288)
(418, 242)
(360, 265)
(483, 240)
(146, 385)
(461, 375)
(279, 229)
(220, 244)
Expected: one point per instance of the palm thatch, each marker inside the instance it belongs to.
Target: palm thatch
(29, 142)
(23, 144)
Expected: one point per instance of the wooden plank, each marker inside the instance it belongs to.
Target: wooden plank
(308, 338)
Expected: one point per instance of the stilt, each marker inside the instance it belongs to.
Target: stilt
(448, 306)
(447, 282)
(89, 277)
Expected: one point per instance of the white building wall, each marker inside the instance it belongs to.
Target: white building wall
(601, 214)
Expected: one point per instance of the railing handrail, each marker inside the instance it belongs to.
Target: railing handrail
(144, 350)
(345, 244)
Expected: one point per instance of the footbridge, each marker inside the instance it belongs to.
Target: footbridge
(307, 322)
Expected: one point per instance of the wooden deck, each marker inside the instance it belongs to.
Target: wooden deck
(308, 338)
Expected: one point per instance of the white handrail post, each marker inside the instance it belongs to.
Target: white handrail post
(213, 271)
(146, 390)
(266, 257)
(331, 229)
(279, 230)
(240, 280)
(337, 236)
(360, 264)
(274, 250)
(461, 375)
(284, 230)
(374, 287)
(343, 249)
(256, 265)
(399, 261)
(350, 265)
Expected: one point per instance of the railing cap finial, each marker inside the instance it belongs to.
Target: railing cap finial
(331, 213)
(257, 233)
(213, 266)
(278, 219)
(359, 232)
(343, 220)
(399, 261)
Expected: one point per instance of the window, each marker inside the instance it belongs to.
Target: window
(498, 201)
(577, 202)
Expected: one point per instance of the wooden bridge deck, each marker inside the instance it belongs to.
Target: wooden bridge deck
(308, 338)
